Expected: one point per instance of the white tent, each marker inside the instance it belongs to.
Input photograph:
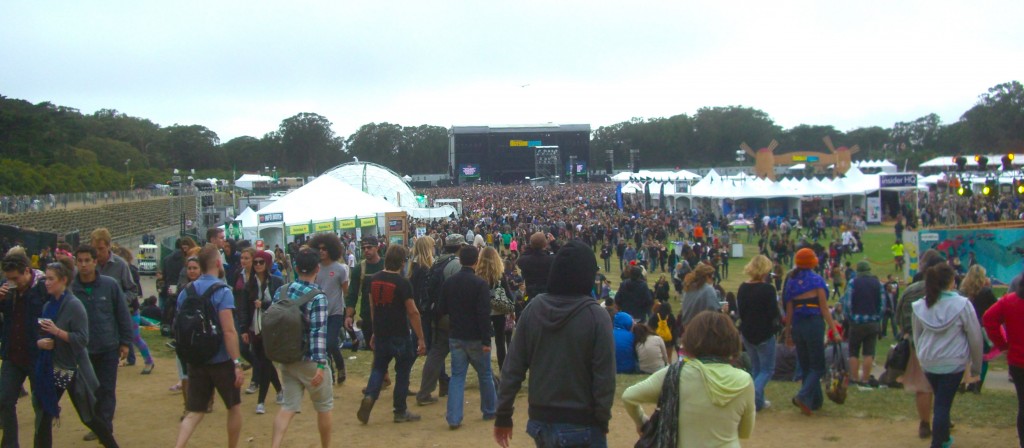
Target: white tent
(247, 180)
(324, 200)
(248, 217)
(443, 211)
(666, 175)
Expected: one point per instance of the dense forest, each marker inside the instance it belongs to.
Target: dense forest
(47, 148)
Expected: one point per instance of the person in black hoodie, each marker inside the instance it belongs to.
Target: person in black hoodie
(634, 297)
(564, 338)
(535, 264)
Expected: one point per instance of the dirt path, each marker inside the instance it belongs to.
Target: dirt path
(147, 415)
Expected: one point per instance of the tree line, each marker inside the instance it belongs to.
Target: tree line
(47, 148)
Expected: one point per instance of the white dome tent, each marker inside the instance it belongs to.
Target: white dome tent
(375, 180)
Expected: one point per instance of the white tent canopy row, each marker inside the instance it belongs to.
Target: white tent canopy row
(657, 175)
(715, 186)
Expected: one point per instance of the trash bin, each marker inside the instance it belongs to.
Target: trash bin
(737, 250)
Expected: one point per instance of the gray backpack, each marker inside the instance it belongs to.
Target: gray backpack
(283, 326)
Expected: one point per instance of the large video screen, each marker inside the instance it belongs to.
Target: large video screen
(469, 170)
(581, 168)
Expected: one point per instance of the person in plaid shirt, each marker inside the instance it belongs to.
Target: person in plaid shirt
(308, 374)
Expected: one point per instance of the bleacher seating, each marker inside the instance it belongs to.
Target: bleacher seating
(122, 219)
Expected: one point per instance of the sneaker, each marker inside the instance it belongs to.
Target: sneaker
(948, 443)
(924, 430)
(454, 427)
(427, 401)
(872, 382)
(406, 417)
(767, 404)
(251, 389)
(363, 414)
(171, 345)
(261, 409)
(91, 436)
(280, 397)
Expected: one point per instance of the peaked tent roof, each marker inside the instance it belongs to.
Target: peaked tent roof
(325, 199)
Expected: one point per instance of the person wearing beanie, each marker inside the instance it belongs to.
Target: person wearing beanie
(564, 338)
(864, 306)
(805, 298)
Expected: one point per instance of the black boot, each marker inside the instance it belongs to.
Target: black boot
(363, 414)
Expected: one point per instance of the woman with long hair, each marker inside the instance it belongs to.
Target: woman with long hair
(492, 269)
(135, 308)
(651, 354)
(946, 337)
(63, 362)
(241, 275)
(977, 287)
(758, 311)
(259, 294)
(1008, 314)
(698, 294)
(716, 400)
(422, 260)
(191, 273)
(661, 289)
(805, 298)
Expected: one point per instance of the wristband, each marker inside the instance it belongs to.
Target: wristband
(320, 365)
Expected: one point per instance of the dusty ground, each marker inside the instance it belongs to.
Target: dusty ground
(147, 415)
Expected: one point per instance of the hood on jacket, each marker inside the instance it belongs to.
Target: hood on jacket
(554, 311)
(573, 269)
(721, 381)
(622, 321)
(944, 313)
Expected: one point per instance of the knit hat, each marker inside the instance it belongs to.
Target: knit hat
(805, 259)
(863, 267)
(573, 270)
(267, 257)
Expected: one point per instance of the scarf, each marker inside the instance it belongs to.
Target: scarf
(43, 386)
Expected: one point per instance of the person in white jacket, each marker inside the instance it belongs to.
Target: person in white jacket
(946, 337)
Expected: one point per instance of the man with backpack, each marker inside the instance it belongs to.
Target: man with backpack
(433, 367)
(110, 327)
(206, 320)
(309, 371)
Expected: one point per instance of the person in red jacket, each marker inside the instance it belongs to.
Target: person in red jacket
(1008, 312)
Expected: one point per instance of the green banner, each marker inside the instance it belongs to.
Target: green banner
(346, 223)
(368, 222)
(298, 230)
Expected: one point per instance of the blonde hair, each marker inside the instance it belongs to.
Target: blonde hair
(698, 277)
(489, 266)
(973, 282)
(100, 234)
(423, 252)
(757, 268)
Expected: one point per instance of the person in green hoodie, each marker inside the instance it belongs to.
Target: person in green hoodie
(716, 400)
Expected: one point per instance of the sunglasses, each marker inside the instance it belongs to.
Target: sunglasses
(260, 261)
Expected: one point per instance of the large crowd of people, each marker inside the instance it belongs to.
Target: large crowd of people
(524, 272)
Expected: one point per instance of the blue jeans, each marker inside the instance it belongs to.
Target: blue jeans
(105, 366)
(945, 386)
(809, 336)
(552, 435)
(465, 353)
(402, 350)
(12, 378)
(762, 361)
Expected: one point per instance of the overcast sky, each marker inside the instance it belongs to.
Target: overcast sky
(240, 67)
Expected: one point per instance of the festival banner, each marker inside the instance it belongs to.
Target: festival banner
(324, 227)
(346, 223)
(368, 222)
(301, 229)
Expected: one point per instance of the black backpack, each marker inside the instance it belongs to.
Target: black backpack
(435, 278)
(197, 331)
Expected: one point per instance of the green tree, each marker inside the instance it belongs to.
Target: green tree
(996, 123)
(378, 143)
(190, 147)
(308, 144)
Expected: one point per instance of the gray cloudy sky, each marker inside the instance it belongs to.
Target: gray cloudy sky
(240, 67)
